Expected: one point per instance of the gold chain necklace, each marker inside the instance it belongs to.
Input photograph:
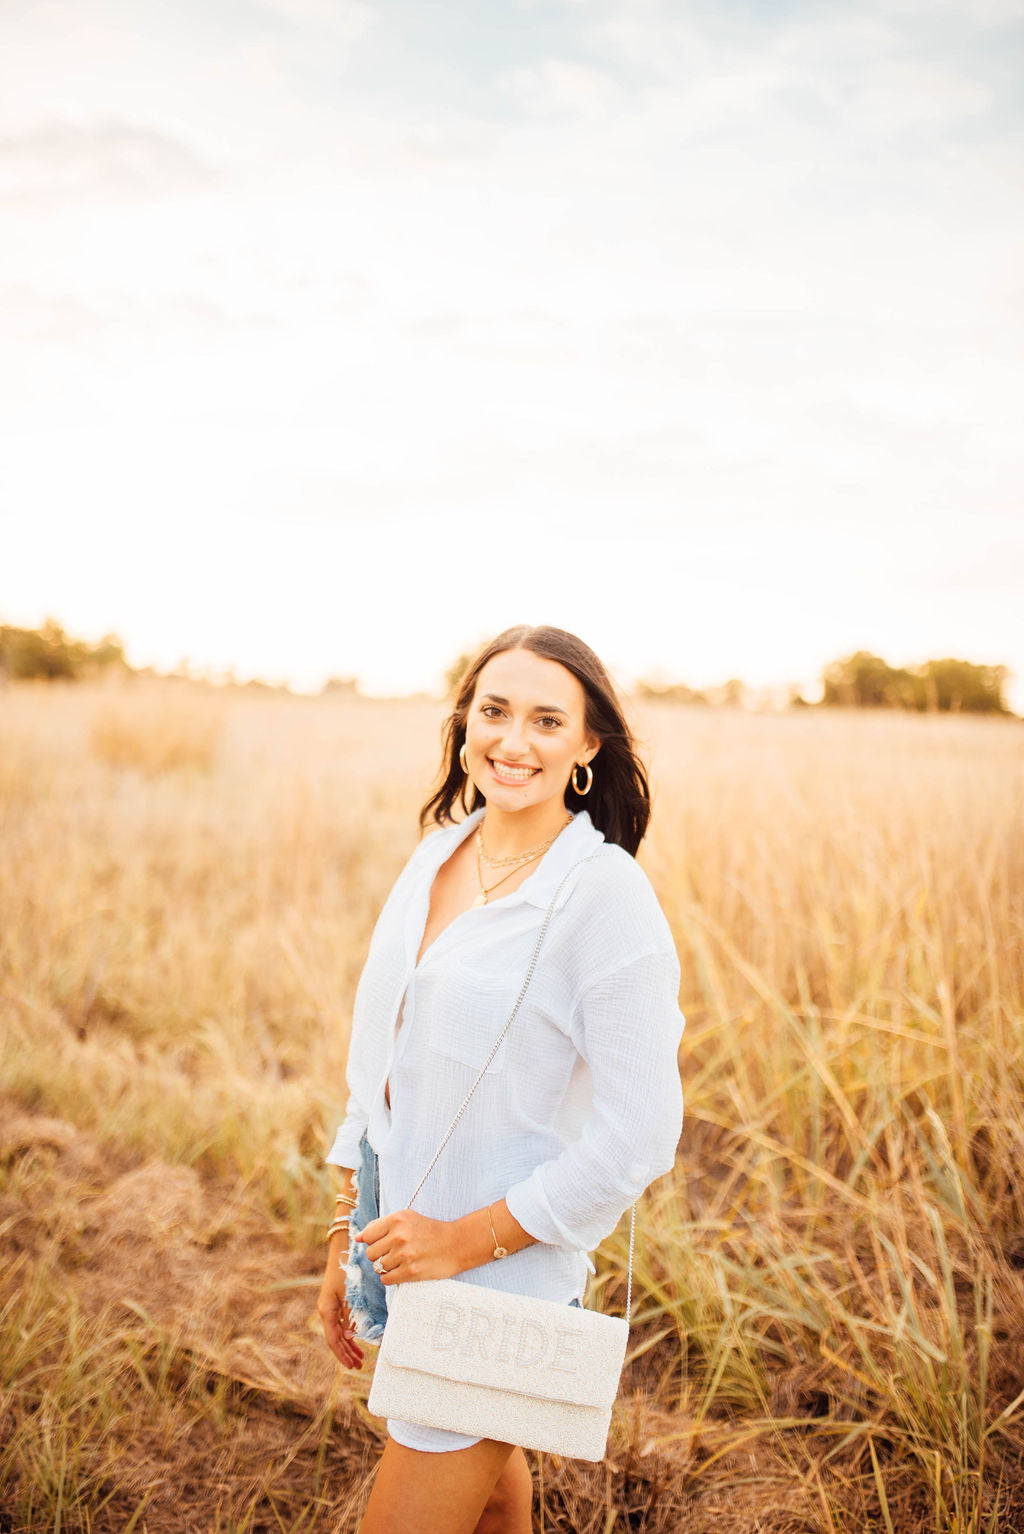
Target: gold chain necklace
(481, 899)
(523, 859)
(516, 857)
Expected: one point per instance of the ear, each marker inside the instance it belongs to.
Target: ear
(593, 747)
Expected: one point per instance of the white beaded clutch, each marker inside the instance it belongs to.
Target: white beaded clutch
(498, 1365)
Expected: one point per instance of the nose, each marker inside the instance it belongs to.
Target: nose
(513, 741)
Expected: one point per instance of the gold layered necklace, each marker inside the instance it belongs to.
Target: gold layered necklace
(517, 861)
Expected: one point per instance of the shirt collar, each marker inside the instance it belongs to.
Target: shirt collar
(579, 839)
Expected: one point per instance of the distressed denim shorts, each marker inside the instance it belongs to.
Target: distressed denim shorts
(364, 1291)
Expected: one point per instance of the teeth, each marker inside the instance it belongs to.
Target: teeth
(519, 773)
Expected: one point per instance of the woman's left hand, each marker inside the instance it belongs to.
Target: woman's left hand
(410, 1247)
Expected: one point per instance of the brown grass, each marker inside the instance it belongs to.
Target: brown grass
(830, 1330)
(159, 729)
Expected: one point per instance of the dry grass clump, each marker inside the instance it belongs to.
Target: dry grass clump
(829, 1290)
(158, 728)
(159, 1371)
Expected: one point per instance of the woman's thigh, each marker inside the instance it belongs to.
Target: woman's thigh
(419, 1493)
(509, 1509)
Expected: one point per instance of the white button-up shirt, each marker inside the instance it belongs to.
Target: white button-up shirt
(581, 1108)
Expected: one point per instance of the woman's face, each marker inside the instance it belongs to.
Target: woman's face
(525, 729)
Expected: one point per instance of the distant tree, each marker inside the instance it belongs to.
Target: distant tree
(108, 652)
(41, 652)
(340, 686)
(731, 694)
(50, 654)
(257, 687)
(959, 686)
(670, 692)
(457, 670)
(864, 680)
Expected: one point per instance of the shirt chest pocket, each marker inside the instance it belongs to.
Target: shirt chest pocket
(468, 1007)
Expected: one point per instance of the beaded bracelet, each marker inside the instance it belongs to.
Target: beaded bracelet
(339, 1224)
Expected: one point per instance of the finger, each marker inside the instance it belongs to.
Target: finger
(342, 1343)
(347, 1354)
(382, 1256)
(372, 1232)
(381, 1248)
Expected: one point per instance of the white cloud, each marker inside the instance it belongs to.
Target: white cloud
(556, 87)
(995, 14)
(27, 312)
(60, 162)
(725, 301)
(352, 18)
(999, 568)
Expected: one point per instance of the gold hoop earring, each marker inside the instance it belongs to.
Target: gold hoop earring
(462, 758)
(590, 778)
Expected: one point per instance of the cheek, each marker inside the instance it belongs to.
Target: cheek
(481, 734)
(558, 752)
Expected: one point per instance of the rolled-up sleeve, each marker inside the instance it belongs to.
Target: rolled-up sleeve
(626, 1026)
(345, 1150)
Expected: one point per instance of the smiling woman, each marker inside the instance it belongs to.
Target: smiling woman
(566, 1116)
(522, 752)
(560, 689)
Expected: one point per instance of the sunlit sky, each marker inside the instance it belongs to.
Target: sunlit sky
(339, 334)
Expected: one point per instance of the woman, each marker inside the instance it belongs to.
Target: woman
(580, 1109)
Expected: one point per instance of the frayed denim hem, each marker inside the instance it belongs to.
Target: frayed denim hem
(364, 1292)
(367, 1329)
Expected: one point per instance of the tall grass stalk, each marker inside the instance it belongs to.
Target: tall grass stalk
(829, 1289)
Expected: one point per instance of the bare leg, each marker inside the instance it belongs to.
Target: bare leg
(509, 1506)
(419, 1493)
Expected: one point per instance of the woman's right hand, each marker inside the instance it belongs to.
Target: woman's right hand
(333, 1307)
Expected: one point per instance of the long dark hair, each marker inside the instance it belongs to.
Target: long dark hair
(619, 801)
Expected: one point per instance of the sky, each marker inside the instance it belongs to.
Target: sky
(338, 335)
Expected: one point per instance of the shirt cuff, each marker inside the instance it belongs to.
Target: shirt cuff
(527, 1202)
(591, 1220)
(345, 1150)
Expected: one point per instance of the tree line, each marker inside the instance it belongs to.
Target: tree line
(950, 686)
(49, 654)
(861, 680)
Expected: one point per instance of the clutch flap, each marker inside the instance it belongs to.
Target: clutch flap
(508, 1341)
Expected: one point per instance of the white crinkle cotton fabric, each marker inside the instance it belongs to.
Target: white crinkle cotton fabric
(582, 1107)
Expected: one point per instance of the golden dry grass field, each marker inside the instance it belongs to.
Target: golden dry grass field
(830, 1328)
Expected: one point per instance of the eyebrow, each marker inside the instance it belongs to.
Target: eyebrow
(538, 708)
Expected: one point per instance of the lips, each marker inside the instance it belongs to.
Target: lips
(506, 773)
